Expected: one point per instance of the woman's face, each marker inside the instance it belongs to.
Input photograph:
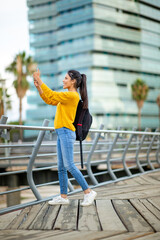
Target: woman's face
(68, 83)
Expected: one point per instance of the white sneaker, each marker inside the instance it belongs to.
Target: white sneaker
(89, 198)
(59, 200)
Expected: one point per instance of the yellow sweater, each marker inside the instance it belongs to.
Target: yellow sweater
(66, 103)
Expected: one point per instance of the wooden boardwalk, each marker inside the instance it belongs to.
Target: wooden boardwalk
(124, 210)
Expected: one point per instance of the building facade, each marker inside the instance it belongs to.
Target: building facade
(112, 42)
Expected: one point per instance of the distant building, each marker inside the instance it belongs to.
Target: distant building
(112, 41)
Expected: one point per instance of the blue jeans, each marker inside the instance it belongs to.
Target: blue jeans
(65, 143)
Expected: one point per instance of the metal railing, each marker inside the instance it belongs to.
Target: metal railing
(120, 155)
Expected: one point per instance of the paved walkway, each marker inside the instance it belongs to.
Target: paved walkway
(124, 210)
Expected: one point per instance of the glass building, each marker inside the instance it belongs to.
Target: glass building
(113, 42)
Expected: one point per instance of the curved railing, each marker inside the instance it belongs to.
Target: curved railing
(120, 154)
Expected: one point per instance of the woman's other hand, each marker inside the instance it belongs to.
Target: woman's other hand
(37, 80)
(36, 83)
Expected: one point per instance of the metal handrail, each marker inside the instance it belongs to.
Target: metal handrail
(119, 143)
(10, 127)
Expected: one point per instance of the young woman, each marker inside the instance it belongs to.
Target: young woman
(66, 103)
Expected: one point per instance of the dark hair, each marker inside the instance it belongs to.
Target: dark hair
(81, 83)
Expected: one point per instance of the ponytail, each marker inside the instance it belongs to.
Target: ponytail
(81, 83)
(83, 91)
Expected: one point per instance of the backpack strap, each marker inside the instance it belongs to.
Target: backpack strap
(81, 151)
(79, 128)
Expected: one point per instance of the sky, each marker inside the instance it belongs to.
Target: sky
(14, 38)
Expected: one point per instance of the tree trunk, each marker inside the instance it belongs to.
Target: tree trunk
(20, 117)
(140, 105)
(159, 118)
(139, 118)
(1, 109)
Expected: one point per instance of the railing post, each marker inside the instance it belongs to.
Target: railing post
(113, 176)
(88, 165)
(124, 154)
(138, 150)
(158, 148)
(148, 152)
(70, 186)
(32, 159)
(12, 198)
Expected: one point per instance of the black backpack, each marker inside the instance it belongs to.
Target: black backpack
(82, 123)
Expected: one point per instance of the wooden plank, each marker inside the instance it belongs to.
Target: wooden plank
(125, 190)
(150, 179)
(30, 234)
(120, 183)
(155, 201)
(146, 213)
(31, 215)
(98, 190)
(116, 190)
(138, 191)
(128, 236)
(131, 181)
(41, 235)
(151, 207)
(19, 219)
(155, 175)
(108, 217)
(88, 219)
(67, 217)
(142, 181)
(106, 190)
(155, 236)
(50, 217)
(76, 196)
(56, 234)
(37, 222)
(87, 235)
(130, 217)
(7, 218)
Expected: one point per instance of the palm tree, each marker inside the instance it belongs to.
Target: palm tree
(158, 103)
(22, 66)
(139, 94)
